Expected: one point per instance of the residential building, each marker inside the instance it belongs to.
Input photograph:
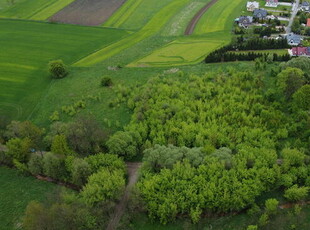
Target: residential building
(305, 6)
(260, 14)
(300, 51)
(251, 6)
(308, 22)
(293, 39)
(272, 3)
(245, 21)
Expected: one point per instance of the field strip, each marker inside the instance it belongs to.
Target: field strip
(219, 17)
(154, 25)
(46, 5)
(124, 12)
(51, 10)
(190, 51)
(191, 26)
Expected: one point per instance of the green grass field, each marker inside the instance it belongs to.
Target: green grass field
(27, 47)
(16, 191)
(34, 10)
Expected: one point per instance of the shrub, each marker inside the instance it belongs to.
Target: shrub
(22, 167)
(19, 149)
(263, 220)
(106, 82)
(252, 227)
(35, 164)
(271, 206)
(57, 69)
(80, 172)
(296, 193)
(54, 166)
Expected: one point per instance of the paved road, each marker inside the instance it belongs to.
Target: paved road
(294, 13)
(132, 169)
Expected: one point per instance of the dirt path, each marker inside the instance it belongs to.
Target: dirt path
(132, 169)
(191, 26)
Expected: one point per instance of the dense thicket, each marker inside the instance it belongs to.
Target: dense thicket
(234, 129)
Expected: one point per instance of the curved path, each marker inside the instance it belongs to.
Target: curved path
(132, 169)
(191, 26)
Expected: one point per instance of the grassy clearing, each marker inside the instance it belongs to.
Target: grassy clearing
(151, 28)
(15, 193)
(27, 47)
(51, 10)
(279, 51)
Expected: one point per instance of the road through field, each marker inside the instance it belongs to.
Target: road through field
(191, 26)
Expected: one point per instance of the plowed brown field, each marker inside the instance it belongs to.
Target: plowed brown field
(87, 12)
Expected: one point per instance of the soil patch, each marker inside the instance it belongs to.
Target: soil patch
(87, 12)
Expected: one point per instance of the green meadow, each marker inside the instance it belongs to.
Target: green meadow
(16, 191)
(26, 49)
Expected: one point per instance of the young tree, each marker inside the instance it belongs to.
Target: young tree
(57, 69)
(271, 206)
(296, 193)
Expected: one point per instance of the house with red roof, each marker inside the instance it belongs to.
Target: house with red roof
(308, 22)
(300, 51)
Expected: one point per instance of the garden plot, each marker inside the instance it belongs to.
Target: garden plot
(87, 12)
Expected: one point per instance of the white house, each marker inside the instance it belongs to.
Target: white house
(251, 6)
(272, 3)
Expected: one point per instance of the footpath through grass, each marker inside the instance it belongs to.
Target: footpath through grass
(16, 191)
(26, 49)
